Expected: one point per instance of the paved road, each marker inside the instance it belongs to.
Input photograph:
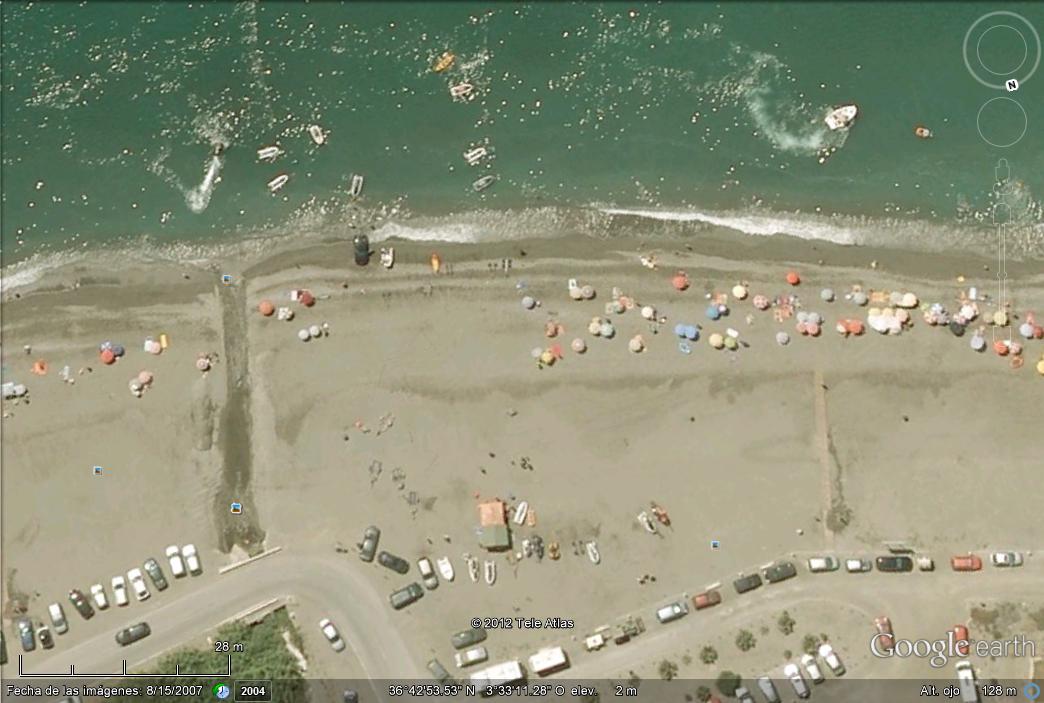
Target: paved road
(328, 585)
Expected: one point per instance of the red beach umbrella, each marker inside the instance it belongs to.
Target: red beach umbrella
(306, 298)
(107, 357)
(680, 281)
(266, 308)
(793, 278)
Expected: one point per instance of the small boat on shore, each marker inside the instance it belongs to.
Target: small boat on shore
(387, 257)
(355, 190)
(473, 156)
(483, 183)
(490, 572)
(841, 117)
(473, 568)
(444, 61)
(317, 134)
(269, 153)
(646, 522)
(436, 263)
(461, 91)
(277, 183)
(445, 568)
(592, 553)
(520, 513)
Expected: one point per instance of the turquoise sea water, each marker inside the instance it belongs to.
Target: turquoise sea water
(693, 113)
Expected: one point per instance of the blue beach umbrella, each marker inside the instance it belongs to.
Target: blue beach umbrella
(679, 330)
(692, 332)
(713, 312)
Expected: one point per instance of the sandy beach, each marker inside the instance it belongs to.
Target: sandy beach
(423, 398)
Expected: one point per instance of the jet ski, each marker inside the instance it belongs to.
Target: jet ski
(483, 183)
(445, 568)
(473, 568)
(592, 553)
(490, 571)
(277, 183)
(269, 153)
(317, 134)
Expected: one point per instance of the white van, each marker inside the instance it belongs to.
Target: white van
(471, 656)
(819, 564)
(669, 613)
(58, 618)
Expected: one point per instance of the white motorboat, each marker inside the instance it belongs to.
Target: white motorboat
(490, 571)
(483, 183)
(473, 156)
(269, 153)
(355, 190)
(473, 568)
(841, 117)
(592, 553)
(317, 134)
(387, 257)
(520, 513)
(445, 568)
(461, 91)
(277, 183)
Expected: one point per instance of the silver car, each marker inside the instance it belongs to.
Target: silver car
(855, 566)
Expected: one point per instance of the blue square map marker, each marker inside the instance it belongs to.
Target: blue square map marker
(715, 544)
(237, 508)
(97, 470)
(226, 278)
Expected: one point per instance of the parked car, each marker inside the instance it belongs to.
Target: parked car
(966, 679)
(792, 672)
(895, 563)
(26, 634)
(1006, 558)
(98, 596)
(427, 572)
(886, 639)
(466, 638)
(152, 568)
(361, 247)
(966, 562)
(780, 572)
(368, 546)
(439, 671)
(395, 563)
(119, 590)
(827, 654)
(672, 611)
(471, 656)
(404, 596)
(812, 668)
(61, 625)
(132, 634)
(747, 583)
(191, 557)
(137, 582)
(80, 602)
(925, 563)
(856, 566)
(818, 564)
(743, 695)
(43, 633)
(768, 689)
(331, 634)
(706, 599)
(177, 564)
(961, 641)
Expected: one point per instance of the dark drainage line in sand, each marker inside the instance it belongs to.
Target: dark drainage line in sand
(826, 479)
(235, 432)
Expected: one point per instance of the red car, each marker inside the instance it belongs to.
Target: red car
(960, 638)
(706, 599)
(966, 562)
(886, 641)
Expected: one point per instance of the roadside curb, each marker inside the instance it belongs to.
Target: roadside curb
(262, 555)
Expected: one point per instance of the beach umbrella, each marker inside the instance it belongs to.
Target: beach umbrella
(801, 327)
(556, 351)
(576, 293)
(607, 330)
(969, 312)
(802, 317)
(203, 364)
(579, 346)
(814, 318)
(153, 347)
(528, 302)
(842, 328)
(547, 357)
(107, 357)
(761, 302)
(535, 352)
(614, 307)
(909, 300)
(1000, 318)
(679, 330)
(627, 301)
(731, 344)
(1040, 367)
(902, 315)
(860, 298)
(1026, 330)
(1000, 348)
(1038, 332)
(1016, 348)
(588, 292)
(895, 298)
(978, 342)
(782, 339)
(713, 312)
(595, 327)
(145, 378)
(813, 329)
(854, 326)
(957, 328)
(266, 308)
(105, 345)
(739, 292)
(135, 387)
(680, 281)
(306, 298)
(550, 328)
(315, 331)
(636, 343)
(649, 312)
(692, 332)
(793, 278)
(118, 350)
(827, 295)
(40, 367)
(303, 334)
(717, 341)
